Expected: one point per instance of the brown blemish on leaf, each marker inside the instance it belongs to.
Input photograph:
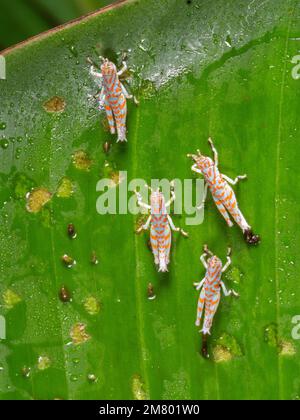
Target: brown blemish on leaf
(37, 198)
(55, 104)
(82, 161)
(78, 334)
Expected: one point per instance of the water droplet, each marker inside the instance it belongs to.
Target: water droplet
(2, 125)
(4, 143)
(73, 50)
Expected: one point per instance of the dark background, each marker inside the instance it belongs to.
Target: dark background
(21, 19)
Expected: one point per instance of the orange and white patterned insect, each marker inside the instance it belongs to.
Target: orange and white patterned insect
(113, 96)
(210, 294)
(222, 192)
(161, 226)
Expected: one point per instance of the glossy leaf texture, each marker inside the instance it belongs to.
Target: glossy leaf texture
(21, 19)
(199, 68)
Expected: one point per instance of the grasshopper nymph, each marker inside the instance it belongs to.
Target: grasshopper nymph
(210, 294)
(113, 96)
(161, 226)
(222, 192)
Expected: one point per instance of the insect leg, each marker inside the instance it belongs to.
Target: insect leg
(196, 169)
(167, 244)
(227, 264)
(125, 93)
(110, 117)
(203, 260)
(95, 73)
(154, 245)
(120, 112)
(173, 198)
(201, 302)
(232, 206)
(123, 69)
(204, 198)
(216, 156)
(102, 99)
(223, 211)
(210, 311)
(200, 285)
(228, 292)
(173, 227)
(128, 96)
(146, 226)
(234, 181)
(140, 202)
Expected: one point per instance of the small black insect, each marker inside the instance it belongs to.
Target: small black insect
(150, 292)
(68, 261)
(71, 231)
(94, 259)
(64, 294)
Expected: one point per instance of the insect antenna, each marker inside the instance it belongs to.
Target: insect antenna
(207, 251)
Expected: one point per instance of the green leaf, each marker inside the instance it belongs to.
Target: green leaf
(220, 69)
